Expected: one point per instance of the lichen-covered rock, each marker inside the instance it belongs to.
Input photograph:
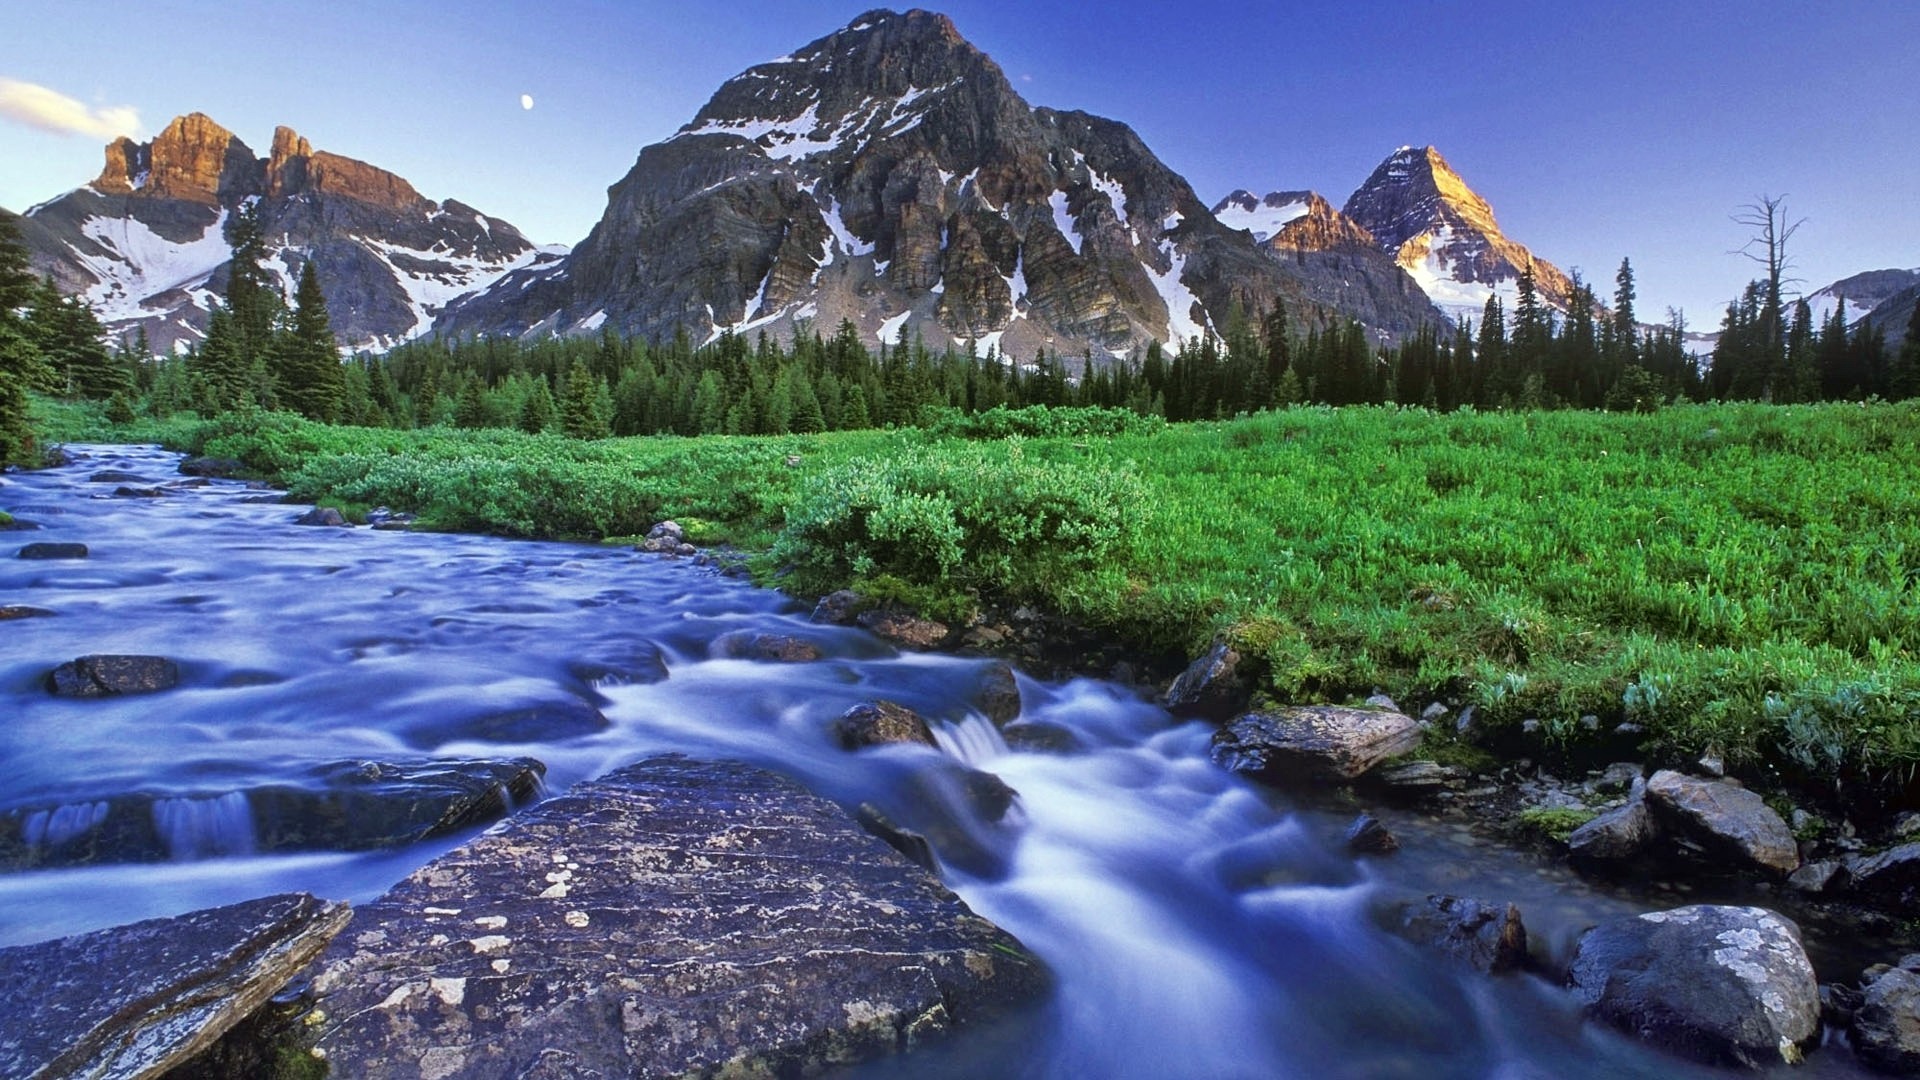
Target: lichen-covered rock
(110, 676)
(1886, 1023)
(1726, 818)
(876, 723)
(1486, 937)
(1326, 742)
(134, 1001)
(673, 918)
(1723, 985)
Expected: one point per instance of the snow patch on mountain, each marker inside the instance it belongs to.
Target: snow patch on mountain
(138, 264)
(1180, 300)
(1263, 218)
(433, 279)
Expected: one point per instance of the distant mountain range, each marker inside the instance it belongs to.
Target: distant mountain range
(145, 241)
(887, 174)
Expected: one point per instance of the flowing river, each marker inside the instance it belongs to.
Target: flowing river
(1197, 925)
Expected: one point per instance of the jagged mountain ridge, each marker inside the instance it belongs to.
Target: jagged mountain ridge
(1341, 259)
(1443, 233)
(144, 242)
(1864, 293)
(889, 174)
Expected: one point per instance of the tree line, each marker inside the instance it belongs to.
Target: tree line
(259, 351)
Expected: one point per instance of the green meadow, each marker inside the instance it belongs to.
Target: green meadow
(1737, 579)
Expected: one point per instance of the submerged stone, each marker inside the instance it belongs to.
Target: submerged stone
(759, 645)
(54, 550)
(672, 918)
(1487, 937)
(111, 676)
(137, 1000)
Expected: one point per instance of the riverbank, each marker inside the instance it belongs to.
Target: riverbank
(1733, 582)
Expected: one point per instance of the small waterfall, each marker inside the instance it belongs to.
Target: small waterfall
(55, 827)
(973, 741)
(205, 828)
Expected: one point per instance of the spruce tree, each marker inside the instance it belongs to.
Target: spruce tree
(310, 379)
(536, 413)
(1903, 381)
(587, 412)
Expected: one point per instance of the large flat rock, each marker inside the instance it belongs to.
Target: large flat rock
(1313, 742)
(136, 1000)
(672, 918)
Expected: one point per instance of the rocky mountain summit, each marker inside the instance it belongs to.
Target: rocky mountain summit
(889, 174)
(145, 243)
(1420, 212)
(1337, 260)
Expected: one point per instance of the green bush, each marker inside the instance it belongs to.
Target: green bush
(1040, 421)
(962, 519)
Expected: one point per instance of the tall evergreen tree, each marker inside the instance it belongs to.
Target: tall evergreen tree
(1903, 381)
(310, 379)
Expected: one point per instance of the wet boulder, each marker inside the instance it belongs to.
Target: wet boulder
(628, 663)
(1721, 985)
(766, 646)
(111, 676)
(840, 608)
(903, 628)
(128, 491)
(1726, 819)
(1318, 742)
(948, 813)
(877, 723)
(543, 722)
(341, 806)
(48, 549)
(996, 693)
(1886, 1022)
(1041, 737)
(116, 476)
(1617, 836)
(1892, 876)
(672, 918)
(1487, 937)
(137, 1000)
(1367, 836)
(325, 516)
(9, 612)
(1210, 686)
(217, 468)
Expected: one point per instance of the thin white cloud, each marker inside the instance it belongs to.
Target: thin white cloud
(49, 110)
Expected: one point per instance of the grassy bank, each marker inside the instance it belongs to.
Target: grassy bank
(1738, 578)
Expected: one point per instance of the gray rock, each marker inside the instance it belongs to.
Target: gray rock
(1366, 836)
(1712, 764)
(1727, 819)
(1382, 701)
(1615, 778)
(1886, 1022)
(48, 549)
(1487, 937)
(1434, 713)
(1619, 835)
(1817, 877)
(1723, 985)
(1420, 778)
(341, 806)
(1041, 737)
(839, 608)
(546, 721)
(1892, 876)
(116, 476)
(126, 491)
(633, 662)
(1209, 685)
(9, 612)
(667, 530)
(673, 918)
(137, 1000)
(996, 693)
(110, 676)
(904, 628)
(759, 645)
(877, 723)
(1467, 725)
(219, 468)
(323, 515)
(1313, 741)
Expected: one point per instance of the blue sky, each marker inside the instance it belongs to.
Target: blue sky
(1595, 130)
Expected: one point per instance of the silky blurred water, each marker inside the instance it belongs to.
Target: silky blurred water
(1197, 926)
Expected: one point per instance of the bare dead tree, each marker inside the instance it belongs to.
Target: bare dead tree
(1766, 216)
